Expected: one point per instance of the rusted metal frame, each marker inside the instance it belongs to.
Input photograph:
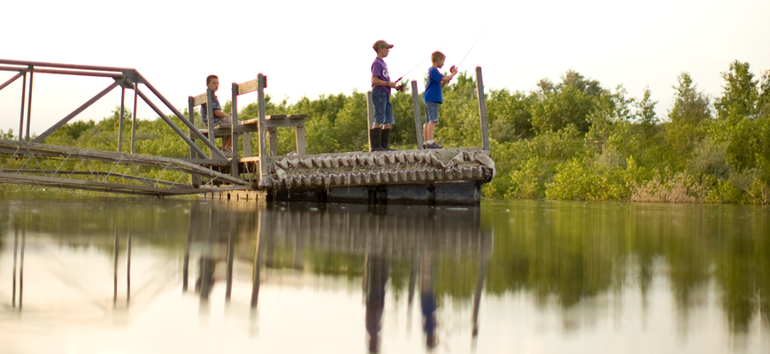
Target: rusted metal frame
(157, 180)
(88, 166)
(62, 66)
(182, 118)
(417, 115)
(120, 119)
(33, 157)
(171, 124)
(96, 186)
(105, 156)
(11, 80)
(14, 68)
(29, 101)
(133, 118)
(122, 176)
(210, 115)
(21, 106)
(74, 113)
(196, 181)
(116, 76)
(61, 165)
(77, 166)
(114, 166)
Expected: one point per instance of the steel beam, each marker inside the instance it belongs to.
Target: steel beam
(77, 111)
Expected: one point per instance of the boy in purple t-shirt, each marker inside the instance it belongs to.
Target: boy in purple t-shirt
(383, 110)
(433, 97)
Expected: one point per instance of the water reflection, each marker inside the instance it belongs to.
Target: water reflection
(502, 277)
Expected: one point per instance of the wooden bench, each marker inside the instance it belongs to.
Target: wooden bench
(273, 122)
(243, 128)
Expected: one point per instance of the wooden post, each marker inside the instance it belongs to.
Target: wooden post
(263, 159)
(370, 117)
(273, 132)
(234, 115)
(299, 134)
(482, 109)
(417, 115)
(196, 180)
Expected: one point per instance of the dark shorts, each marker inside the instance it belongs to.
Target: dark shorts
(383, 110)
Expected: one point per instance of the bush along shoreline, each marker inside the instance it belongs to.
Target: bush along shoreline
(569, 140)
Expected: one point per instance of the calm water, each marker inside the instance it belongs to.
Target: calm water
(168, 276)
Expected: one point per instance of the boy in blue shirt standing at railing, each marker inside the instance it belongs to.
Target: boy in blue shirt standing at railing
(433, 97)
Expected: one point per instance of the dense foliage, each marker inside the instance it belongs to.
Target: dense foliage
(569, 140)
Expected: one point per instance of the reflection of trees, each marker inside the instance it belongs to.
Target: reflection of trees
(557, 251)
(573, 251)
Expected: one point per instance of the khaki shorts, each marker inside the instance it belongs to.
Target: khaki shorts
(223, 121)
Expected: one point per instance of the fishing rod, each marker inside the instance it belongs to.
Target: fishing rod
(461, 61)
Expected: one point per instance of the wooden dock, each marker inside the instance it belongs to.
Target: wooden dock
(444, 176)
(423, 176)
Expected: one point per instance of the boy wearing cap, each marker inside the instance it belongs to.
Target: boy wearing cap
(433, 97)
(383, 110)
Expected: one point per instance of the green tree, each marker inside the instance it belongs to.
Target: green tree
(740, 95)
(690, 111)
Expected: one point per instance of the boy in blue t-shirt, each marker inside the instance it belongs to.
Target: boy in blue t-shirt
(433, 97)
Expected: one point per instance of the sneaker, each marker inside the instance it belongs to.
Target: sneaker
(424, 145)
(434, 145)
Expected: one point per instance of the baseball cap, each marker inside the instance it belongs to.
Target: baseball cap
(381, 43)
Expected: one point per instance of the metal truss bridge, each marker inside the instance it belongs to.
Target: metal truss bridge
(26, 162)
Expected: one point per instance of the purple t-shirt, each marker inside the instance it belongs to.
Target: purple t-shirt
(380, 69)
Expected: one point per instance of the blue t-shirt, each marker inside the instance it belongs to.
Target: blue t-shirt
(204, 112)
(433, 86)
(380, 69)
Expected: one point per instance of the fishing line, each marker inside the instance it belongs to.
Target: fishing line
(461, 61)
(422, 61)
(474, 44)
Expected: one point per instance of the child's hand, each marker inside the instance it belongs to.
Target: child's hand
(453, 69)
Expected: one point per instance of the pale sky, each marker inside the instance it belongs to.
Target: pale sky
(310, 48)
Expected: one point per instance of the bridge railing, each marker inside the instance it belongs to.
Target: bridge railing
(126, 78)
